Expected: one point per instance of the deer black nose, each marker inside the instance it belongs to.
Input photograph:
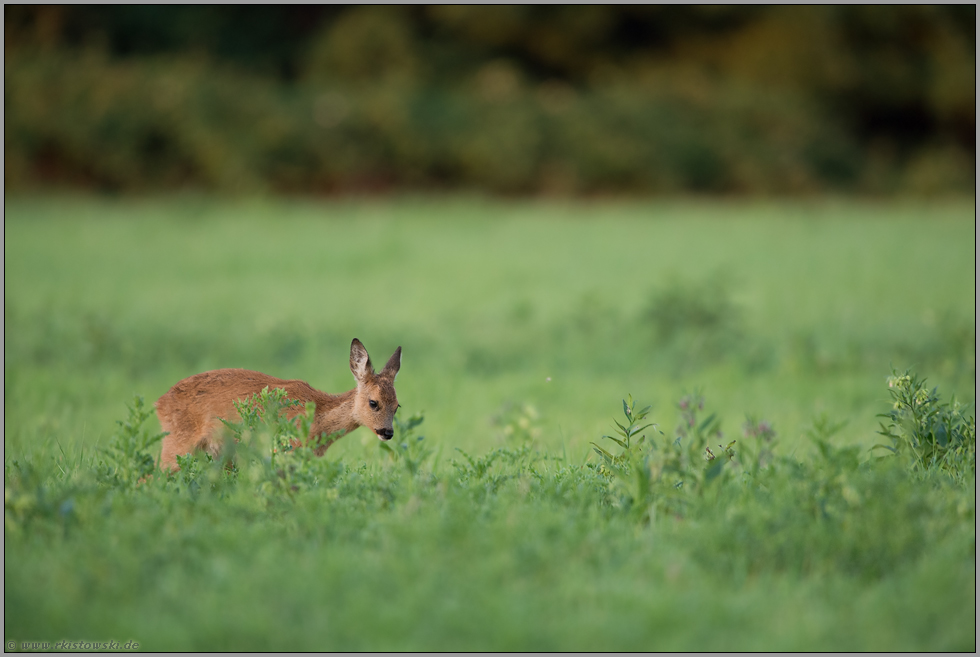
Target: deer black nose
(384, 434)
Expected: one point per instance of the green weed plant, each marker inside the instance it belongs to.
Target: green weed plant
(927, 433)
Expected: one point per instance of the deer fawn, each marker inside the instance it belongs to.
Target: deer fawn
(192, 410)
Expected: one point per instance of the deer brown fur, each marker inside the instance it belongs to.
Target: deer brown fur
(192, 410)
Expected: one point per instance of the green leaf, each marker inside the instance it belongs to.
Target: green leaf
(714, 470)
(603, 453)
(642, 482)
(707, 421)
(617, 440)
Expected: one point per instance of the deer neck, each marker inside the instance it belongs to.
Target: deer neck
(335, 414)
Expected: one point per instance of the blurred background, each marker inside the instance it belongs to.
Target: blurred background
(527, 100)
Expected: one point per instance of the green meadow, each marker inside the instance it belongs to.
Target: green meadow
(492, 522)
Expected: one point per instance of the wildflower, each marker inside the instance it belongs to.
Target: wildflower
(899, 381)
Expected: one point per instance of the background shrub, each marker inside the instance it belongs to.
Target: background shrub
(506, 99)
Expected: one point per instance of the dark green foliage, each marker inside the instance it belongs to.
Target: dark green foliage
(539, 99)
(927, 433)
(698, 322)
(130, 456)
(658, 477)
(628, 441)
(405, 447)
(681, 307)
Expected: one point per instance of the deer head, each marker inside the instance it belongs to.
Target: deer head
(375, 401)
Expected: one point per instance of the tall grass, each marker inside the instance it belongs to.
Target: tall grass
(490, 522)
(516, 549)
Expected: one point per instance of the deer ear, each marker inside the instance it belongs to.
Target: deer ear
(391, 367)
(360, 362)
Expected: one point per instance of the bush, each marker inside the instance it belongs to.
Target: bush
(927, 433)
(383, 98)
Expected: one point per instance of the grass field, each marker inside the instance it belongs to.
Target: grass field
(523, 326)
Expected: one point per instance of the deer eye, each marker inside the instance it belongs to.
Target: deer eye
(373, 404)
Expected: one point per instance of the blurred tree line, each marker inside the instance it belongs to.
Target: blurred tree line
(511, 99)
